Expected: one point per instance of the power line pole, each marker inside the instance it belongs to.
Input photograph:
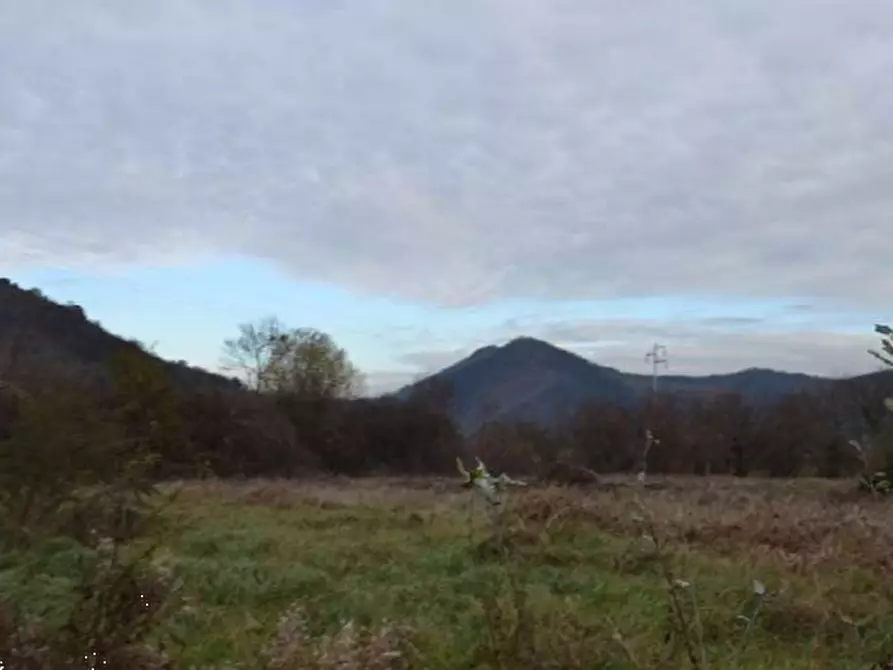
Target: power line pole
(657, 356)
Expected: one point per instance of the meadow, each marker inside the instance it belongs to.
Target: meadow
(380, 573)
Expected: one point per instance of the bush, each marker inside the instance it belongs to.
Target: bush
(115, 607)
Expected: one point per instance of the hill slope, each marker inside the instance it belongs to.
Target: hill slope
(39, 334)
(534, 380)
(526, 378)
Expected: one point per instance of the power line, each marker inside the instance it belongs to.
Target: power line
(657, 356)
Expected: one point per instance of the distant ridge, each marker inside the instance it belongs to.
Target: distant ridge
(525, 378)
(534, 380)
(61, 337)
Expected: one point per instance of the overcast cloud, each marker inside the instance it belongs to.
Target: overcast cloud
(459, 151)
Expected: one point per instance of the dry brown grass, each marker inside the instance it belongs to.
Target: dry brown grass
(335, 490)
(800, 524)
(821, 547)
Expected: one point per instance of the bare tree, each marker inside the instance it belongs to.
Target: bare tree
(302, 362)
(250, 354)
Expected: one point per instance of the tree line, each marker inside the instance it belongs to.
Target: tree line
(299, 411)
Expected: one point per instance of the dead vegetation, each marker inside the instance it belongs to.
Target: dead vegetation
(797, 530)
(801, 523)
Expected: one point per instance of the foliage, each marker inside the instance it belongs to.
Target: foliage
(57, 446)
(251, 353)
(77, 466)
(875, 447)
(144, 403)
(307, 363)
(301, 362)
(885, 355)
(115, 605)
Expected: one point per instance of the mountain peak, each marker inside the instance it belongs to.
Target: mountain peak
(534, 380)
(527, 378)
(533, 349)
(527, 341)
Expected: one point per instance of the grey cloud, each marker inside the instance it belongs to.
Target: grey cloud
(732, 321)
(802, 308)
(461, 151)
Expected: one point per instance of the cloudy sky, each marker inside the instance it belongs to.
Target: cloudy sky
(422, 178)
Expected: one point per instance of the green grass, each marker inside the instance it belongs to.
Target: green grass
(244, 555)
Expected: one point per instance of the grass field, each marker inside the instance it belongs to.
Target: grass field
(564, 579)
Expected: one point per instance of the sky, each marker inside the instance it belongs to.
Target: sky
(420, 179)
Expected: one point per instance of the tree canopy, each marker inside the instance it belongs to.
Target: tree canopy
(302, 362)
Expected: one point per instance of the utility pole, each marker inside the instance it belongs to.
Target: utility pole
(657, 356)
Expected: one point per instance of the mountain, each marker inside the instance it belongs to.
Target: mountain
(537, 381)
(756, 385)
(525, 378)
(37, 334)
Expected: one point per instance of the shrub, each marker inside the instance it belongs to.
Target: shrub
(116, 605)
